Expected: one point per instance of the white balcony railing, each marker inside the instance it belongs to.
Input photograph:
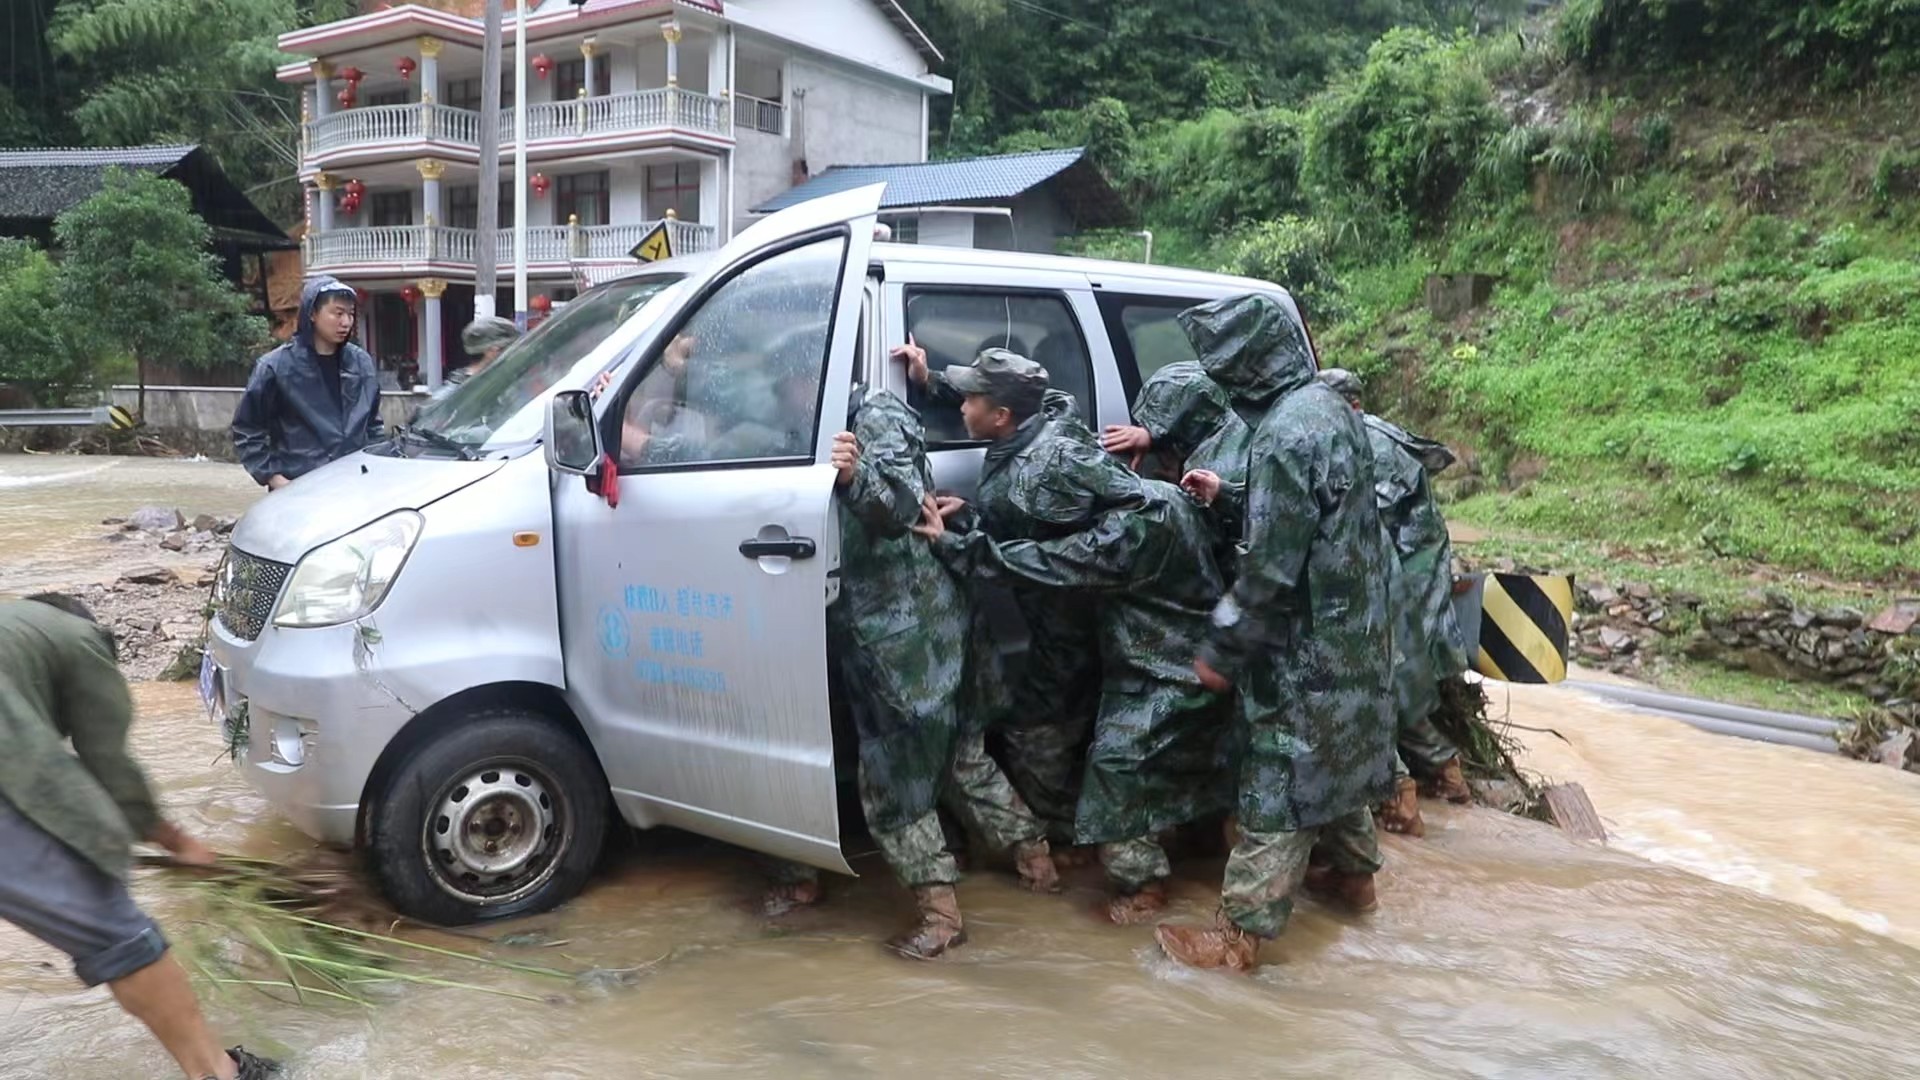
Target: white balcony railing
(618, 114)
(416, 245)
(392, 124)
(758, 114)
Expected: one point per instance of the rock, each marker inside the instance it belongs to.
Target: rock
(148, 575)
(1602, 596)
(1843, 617)
(115, 538)
(1777, 599)
(205, 523)
(175, 541)
(113, 521)
(1617, 641)
(144, 625)
(1896, 750)
(157, 519)
(1619, 611)
(1640, 591)
(1685, 600)
(1833, 632)
(1702, 646)
(1896, 620)
(1657, 616)
(1801, 619)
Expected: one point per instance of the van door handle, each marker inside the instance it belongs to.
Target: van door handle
(793, 547)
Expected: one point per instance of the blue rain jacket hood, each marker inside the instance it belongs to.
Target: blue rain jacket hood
(290, 422)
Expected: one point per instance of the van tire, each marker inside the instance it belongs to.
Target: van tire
(502, 814)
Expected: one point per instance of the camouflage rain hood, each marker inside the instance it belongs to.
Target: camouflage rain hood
(1181, 407)
(1252, 346)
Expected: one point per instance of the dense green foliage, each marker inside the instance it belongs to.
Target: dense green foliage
(40, 347)
(128, 72)
(133, 259)
(1842, 42)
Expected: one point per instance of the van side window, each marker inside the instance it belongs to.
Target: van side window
(1145, 336)
(954, 325)
(741, 380)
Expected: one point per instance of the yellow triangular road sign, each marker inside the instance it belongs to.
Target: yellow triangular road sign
(655, 246)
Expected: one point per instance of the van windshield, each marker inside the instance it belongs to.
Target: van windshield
(480, 408)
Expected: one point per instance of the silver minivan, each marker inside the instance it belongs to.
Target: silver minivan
(452, 650)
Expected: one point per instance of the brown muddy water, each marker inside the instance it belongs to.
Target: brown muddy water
(1502, 949)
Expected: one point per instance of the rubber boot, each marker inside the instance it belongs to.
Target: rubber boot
(1451, 784)
(1134, 908)
(253, 1066)
(788, 897)
(940, 927)
(1401, 814)
(1353, 892)
(1222, 945)
(1034, 860)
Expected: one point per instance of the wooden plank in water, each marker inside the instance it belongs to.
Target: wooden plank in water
(1574, 812)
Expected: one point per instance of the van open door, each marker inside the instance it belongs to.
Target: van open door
(694, 560)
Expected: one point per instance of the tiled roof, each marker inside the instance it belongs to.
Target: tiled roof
(44, 183)
(935, 183)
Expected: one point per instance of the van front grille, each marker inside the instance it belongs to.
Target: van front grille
(244, 591)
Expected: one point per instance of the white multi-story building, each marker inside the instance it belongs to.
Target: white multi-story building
(639, 113)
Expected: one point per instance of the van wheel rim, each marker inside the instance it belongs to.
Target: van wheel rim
(495, 833)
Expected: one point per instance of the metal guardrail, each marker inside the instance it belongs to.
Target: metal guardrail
(1783, 729)
(97, 416)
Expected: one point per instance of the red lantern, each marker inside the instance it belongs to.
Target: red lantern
(406, 66)
(540, 184)
(411, 294)
(542, 64)
(345, 98)
(355, 189)
(541, 303)
(352, 75)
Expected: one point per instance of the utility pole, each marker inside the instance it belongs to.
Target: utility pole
(486, 244)
(520, 167)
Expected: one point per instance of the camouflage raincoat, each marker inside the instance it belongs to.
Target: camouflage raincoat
(1047, 728)
(1142, 547)
(1426, 637)
(1194, 426)
(1305, 633)
(902, 623)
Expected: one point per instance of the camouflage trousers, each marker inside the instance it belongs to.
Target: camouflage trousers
(1051, 718)
(1265, 869)
(1422, 746)
(1132, 864)
(916, 852)
(980, 794)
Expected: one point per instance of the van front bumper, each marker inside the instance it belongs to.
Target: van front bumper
(312, 719)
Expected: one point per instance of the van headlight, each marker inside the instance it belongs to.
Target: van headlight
(341, 581)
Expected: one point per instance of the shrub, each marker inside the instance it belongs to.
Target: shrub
(1398, 139)
(1293, 252)
(42, 346)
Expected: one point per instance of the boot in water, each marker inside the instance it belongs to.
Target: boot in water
(250, 1066)
(789, 897)
(1401, 814)
(1222, 945)
(1034, 860)
(1451, 784)
(940, 928)
(1353, 892)
(1134, 908)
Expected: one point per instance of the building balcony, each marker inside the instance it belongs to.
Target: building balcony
(554, 129)
(419, 248)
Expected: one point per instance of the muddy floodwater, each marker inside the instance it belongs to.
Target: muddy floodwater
(1755, 917)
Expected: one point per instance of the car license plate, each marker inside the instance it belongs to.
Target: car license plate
(209, 696)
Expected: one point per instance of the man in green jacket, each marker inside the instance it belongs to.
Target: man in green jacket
(69, 818)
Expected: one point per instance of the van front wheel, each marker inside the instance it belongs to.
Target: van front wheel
(503, 815)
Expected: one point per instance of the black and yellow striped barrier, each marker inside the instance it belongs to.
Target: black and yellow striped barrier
(119, 419)
(1523, 628)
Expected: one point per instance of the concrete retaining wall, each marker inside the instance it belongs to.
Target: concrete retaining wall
(210, 408)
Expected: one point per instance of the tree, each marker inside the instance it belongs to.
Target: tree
(134, 262)
(41, 346)
(199, 71)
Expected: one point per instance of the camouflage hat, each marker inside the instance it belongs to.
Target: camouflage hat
(1343, 382)
(1007, 377)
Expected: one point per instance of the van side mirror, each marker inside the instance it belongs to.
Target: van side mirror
(572, 442)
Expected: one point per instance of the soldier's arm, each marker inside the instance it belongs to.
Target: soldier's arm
(886, 493)
(1098, 558)
(96, 711)
(1282, 518)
